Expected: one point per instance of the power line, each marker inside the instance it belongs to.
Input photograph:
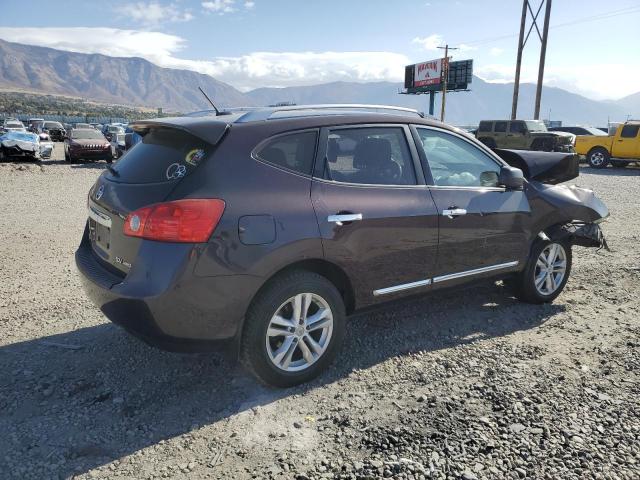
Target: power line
(600, 16)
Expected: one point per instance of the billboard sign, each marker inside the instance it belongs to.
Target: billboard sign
(429, 76)
(428, 73)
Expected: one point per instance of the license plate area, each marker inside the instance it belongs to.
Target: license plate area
(100, 229)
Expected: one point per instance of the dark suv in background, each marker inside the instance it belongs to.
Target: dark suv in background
(268, 227)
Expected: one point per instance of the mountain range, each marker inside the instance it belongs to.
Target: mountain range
(136, 81)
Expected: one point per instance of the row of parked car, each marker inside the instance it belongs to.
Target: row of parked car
(82, 141)
(620, 148)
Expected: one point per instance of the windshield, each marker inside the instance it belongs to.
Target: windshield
(535, 126)
(86, 134)
(14, 125)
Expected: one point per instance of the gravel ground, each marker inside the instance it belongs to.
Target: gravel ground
(468, 386)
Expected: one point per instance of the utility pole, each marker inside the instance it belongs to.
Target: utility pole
(445, 75)
(522, 41)
(543, 54)
(516, 84)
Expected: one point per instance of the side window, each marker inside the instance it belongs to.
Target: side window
(378, 156)
(517, 127)
(485, 126)
(500, 127)
(630, 131)
(293, 152)
(456, 162)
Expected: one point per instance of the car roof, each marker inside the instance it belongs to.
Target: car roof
(211, 127)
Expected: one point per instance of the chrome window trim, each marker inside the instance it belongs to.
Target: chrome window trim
(461, 187)
(368, 185)
(443, 278)
(475, 271)
(399, 288)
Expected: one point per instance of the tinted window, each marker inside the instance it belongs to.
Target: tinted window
(485, 126)
(630, 131)
(378, 156)
(517, 127)
(456, 162)
(500, 127)
(163, 154)
(293, 152)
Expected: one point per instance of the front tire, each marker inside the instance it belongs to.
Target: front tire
(598, 157)
(546, 273)
(293, 329)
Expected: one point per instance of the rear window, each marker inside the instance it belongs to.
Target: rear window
(294, 152)
(630, 131)
(52, 125)
(163, 155)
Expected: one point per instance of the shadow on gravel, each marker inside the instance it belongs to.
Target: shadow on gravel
(90, 165)
(629, 171)
(75, 401)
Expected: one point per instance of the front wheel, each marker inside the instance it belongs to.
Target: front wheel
(294, 329)
(546, 272)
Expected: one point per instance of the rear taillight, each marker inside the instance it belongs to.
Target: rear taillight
(189, 221)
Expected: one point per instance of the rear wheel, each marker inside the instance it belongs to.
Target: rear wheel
(545, 274)
(598, 157)
(293, 329)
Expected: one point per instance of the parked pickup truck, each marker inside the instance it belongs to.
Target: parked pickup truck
(619, 149)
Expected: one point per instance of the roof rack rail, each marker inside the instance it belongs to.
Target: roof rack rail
(267, 112)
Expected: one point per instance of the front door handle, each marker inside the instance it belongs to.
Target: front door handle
(342, 218)
(454, 212)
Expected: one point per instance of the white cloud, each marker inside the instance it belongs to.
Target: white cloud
(280, 69)
(249, 5)
(219, 6)
(432, 42)
(154, 13)
(153, 46)
(495, 51)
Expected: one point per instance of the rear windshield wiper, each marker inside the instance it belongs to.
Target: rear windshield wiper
(113, 171)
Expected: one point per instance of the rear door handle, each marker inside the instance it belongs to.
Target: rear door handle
(342, 218)
(454, 212)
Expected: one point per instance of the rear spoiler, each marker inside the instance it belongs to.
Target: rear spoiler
(546, 167)
(204, 128)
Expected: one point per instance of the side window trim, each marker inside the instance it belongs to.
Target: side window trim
(480, 146)
(321, 154)
(259, 146)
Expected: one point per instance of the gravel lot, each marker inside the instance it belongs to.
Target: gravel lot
(465, 386)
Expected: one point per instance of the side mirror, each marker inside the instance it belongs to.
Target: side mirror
(512, 178)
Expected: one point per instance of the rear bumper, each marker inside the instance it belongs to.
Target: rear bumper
(163, 302)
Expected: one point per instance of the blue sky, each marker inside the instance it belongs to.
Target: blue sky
(255, 43)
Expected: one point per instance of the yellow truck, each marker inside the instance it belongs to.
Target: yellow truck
(619, 149)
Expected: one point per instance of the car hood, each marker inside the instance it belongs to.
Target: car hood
(22, 140)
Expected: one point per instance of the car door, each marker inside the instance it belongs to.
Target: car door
(627, 145)
(516, 136)
(377, 219)
(483, 227)
(500, 134)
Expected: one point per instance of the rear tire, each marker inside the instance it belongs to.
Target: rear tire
(598, 157)
(546, 273)
(283, 344)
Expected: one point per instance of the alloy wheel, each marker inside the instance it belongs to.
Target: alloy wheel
(551, 268)
(597, 159)
(299, 332)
